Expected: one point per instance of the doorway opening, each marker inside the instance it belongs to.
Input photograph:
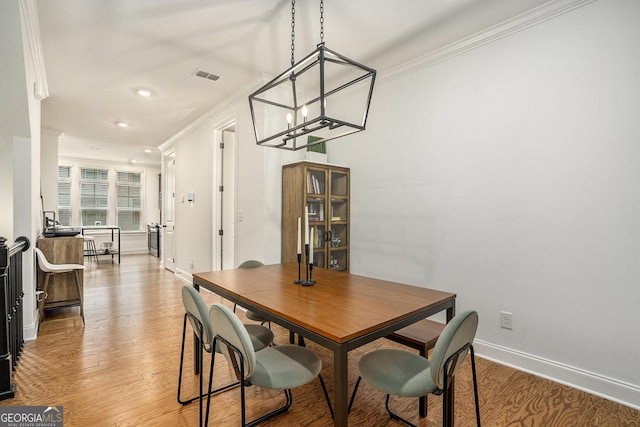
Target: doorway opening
(168, 222)
(225, 210)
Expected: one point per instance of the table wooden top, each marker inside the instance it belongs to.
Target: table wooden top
(340, 306)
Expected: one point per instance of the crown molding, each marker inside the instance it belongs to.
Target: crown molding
(542, 13)
(224, 105)
(538, 15)
(106, 163)
(31, 26)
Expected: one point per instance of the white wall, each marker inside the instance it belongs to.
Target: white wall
(506, 174)
(49, 169)
(257, 184)
(509, 175)
(194, 221)
(6, 191)
(27, 218)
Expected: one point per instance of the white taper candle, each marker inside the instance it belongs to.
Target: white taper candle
(311, 246)
(306, 225)
(299, 247)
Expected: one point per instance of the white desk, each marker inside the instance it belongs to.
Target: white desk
(113, 230)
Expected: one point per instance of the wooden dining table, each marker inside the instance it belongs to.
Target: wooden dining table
(341, 311)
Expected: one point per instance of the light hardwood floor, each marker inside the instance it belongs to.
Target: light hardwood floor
(121, 370)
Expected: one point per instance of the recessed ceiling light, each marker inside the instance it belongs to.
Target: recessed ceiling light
(122, 124)
(146, 150)
(144, 92)
(134, 161)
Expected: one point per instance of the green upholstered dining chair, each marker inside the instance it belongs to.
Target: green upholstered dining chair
(401, 373)
(197, 313)
(252, 263)
(281, 367)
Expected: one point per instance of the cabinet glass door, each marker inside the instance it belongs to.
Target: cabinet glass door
(315, 209)
(315, 181)
(339, 184)
(338, 259)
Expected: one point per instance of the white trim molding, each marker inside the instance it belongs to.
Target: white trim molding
(600, 385)
(220, 107)
(183, 275)
(31, 28)
(546, 11)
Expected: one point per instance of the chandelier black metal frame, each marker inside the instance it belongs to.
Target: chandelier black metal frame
(324, 96)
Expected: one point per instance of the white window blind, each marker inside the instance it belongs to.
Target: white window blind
(129, 200)
(94, 196)
(64, 195)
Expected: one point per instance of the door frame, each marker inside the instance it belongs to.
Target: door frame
(217, 137)
(169, 155)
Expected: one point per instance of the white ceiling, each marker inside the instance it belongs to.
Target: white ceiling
(99, 52)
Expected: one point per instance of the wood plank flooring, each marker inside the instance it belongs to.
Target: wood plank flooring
(121, 369)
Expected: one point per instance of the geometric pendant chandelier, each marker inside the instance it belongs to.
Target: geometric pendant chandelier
(322, 97)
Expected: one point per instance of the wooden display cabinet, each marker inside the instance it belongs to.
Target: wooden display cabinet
(324, 190)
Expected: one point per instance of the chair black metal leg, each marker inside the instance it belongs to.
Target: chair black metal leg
(281, 410)
(353, 396)
(201, 394)
(396, 416)
(199, 358)
(386, 405)
(475, 385)
(326, 395)
(213, 357)
(268, 322)
(184, 331)
(447, 407)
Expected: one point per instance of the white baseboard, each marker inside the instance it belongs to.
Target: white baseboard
(183, 275)
(599, 385)
(29, 333)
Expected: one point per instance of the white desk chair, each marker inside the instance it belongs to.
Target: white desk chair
(51, 269)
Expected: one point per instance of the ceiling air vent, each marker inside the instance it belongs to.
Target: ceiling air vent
(206, 75)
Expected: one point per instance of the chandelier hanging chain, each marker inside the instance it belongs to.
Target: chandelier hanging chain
(290, 112)
(321, 21)
(293, 31)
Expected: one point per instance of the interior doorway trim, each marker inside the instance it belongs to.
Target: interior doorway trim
(224, 193)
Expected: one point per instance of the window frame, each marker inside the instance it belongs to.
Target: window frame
(67, 219)
(76, 168)
(129, 185)
(98, 194)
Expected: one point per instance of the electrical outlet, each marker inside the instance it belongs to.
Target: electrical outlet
(190, 264)
(506, 320)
